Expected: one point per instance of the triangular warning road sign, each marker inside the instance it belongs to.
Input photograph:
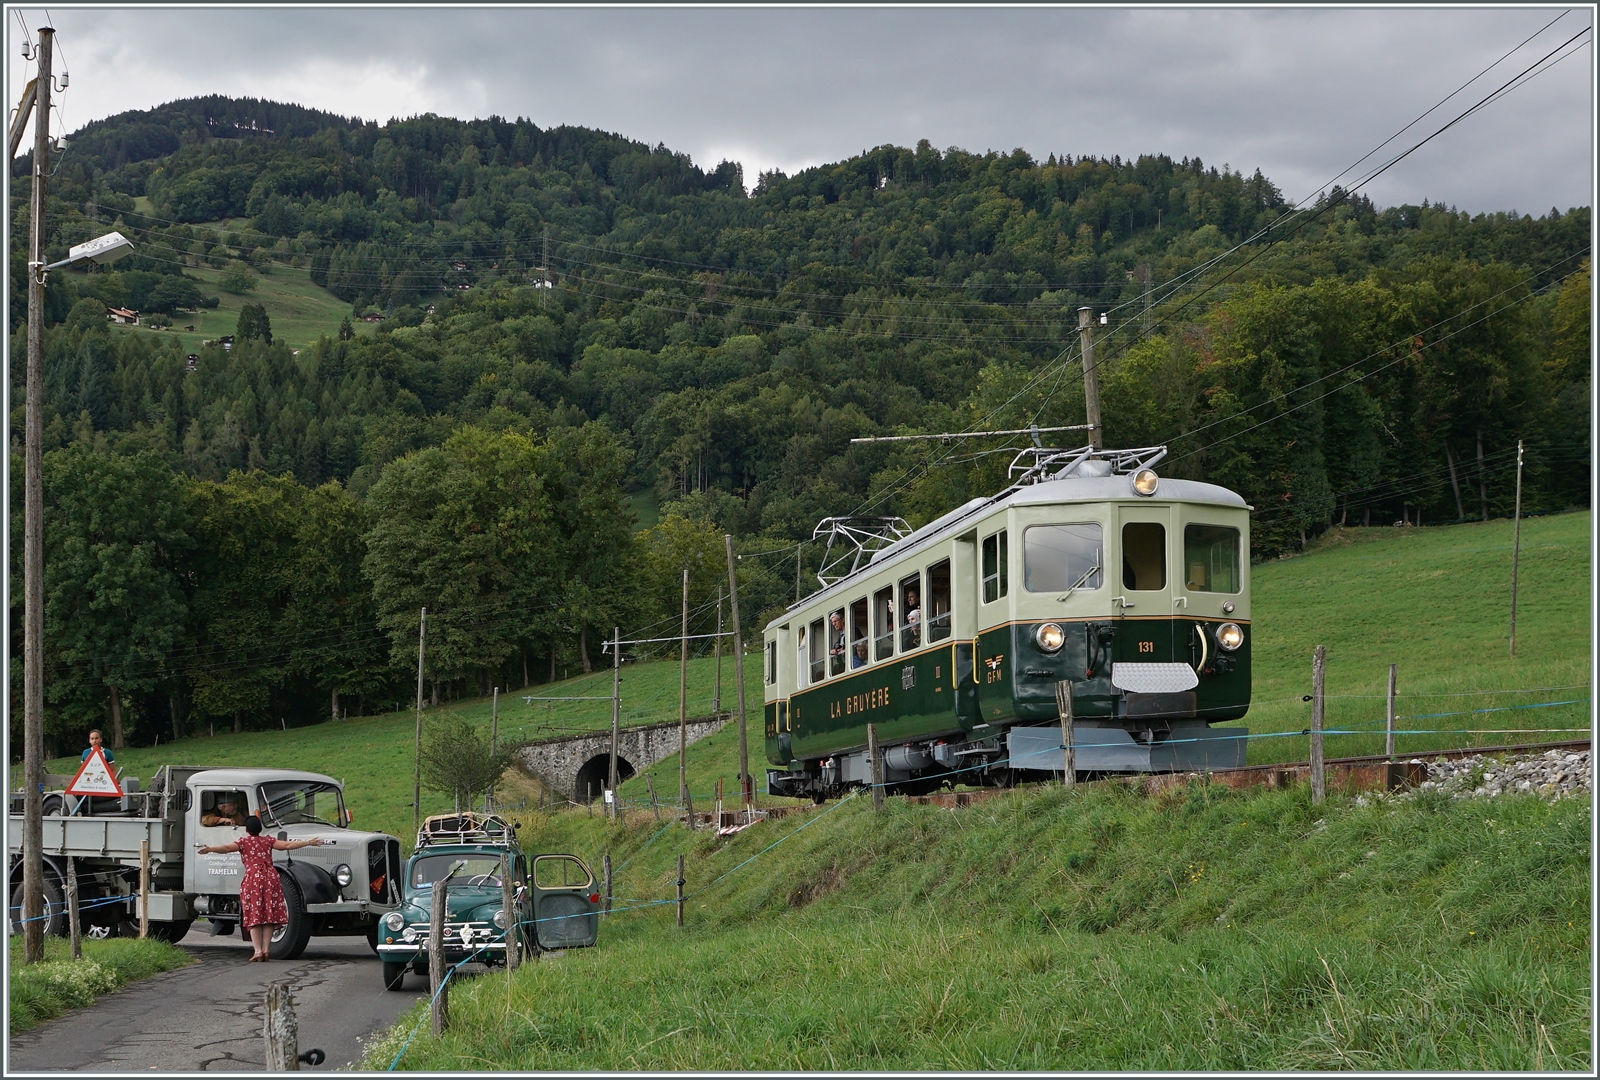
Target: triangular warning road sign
(94, 777)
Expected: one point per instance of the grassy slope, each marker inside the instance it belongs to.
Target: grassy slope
(1098, 929)
(40, 992)
(1433, 600)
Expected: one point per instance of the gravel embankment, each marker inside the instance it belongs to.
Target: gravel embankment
(1554, 774)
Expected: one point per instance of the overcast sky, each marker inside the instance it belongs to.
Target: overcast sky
(1300, 94)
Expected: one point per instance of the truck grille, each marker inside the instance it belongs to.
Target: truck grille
(383, 857)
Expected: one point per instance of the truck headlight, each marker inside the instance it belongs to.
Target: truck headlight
(341, 874)
(1049, 636)
(500, 919)
(1230, 635)
(394, 920)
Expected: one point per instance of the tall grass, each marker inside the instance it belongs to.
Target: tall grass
(1097, 929)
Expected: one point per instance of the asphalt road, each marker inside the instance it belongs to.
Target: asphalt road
(207, 1016)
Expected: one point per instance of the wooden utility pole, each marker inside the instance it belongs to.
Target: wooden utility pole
(436, 969)
(875, 758)
(1388, 732)
(616, 716)
(1091, 377)
(1318, 781)
(416, 784)
(494, 742)
(33, 530)
(605, 897)
(716, 693)
(1516, 550)
(683, 704)
(797, 548)
(1069, 760)
(746, 786)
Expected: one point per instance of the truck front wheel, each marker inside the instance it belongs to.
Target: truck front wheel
(55, 906)
(394, 975)
(291, 939)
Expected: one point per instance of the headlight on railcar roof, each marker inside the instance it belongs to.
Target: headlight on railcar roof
(1049, 636)
(1145, 482)
(1230, 635)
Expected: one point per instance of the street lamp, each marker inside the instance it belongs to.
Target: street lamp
(102, 249)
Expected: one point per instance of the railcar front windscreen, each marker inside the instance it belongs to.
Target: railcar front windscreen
(1060, 557)
(1211, 558)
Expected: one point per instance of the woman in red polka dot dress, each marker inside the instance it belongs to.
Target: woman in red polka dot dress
(261, 905)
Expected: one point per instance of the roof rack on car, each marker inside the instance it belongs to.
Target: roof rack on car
(466, 827)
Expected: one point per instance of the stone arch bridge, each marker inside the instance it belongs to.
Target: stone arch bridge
(579, 765)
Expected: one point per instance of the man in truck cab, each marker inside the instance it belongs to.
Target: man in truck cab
(226, 811)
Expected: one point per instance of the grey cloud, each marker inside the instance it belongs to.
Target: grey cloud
(1297, 93)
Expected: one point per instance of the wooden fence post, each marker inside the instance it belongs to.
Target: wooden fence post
(605, 903)
(280, 1030)
(74, 925)
(1318, 780)
(1069, 757)
(509, 906)
(654, 804)
(144, 888)
(680, 890)
(437, 986)
(875, 757)
(1388, 736)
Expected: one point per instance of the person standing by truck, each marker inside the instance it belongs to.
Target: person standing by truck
(97, 742)
(261, 905)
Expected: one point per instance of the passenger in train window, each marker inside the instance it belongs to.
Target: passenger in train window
(858, 655)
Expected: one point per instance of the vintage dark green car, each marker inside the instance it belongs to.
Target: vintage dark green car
(556, 906)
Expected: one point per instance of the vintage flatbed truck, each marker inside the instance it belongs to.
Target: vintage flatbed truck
(340, 888)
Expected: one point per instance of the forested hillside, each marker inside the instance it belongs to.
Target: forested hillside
(565, 317)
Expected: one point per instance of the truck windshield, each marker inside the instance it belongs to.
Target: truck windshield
(470, 870)
(298, 802)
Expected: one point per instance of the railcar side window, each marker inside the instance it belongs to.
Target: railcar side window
(858, 634)
(772, 664)
(994, 567)
(1056, 558)
(818, 652)
(883, 623)
(838, 643)
(1211, 558)
(939, 601)
(1144, 556)
(911, 612)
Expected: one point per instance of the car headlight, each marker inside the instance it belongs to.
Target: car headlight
(1049, 636)
(1230, 635)
(500, 919)
(342, 875)
(410, 934)
(1145, 482)
(394, 920)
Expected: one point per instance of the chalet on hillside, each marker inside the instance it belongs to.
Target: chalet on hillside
(372, 316)
(123, 316)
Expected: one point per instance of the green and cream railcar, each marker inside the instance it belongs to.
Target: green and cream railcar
(1130, 589)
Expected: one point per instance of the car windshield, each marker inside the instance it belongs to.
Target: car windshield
(300, 802)
(470, 869)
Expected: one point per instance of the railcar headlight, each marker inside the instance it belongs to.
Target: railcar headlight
(1145, 482)
(394, 920)
(341, 874)
(1230, 635)
(1049, 636)
(500, 919)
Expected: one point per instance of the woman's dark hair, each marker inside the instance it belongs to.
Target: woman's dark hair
(252, 825)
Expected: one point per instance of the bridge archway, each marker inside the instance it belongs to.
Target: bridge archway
(592, 776)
